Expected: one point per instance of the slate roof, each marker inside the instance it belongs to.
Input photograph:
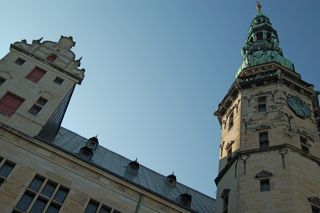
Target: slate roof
(147, 179)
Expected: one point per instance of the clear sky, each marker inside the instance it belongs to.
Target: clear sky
(157, 69)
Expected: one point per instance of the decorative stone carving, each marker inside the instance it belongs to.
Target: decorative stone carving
(263, 127)
(263, 174)
(66, 43)
(314, 200)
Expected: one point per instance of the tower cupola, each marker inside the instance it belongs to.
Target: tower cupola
(262, 44)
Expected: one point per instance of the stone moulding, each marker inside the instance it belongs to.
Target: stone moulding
(314, 200)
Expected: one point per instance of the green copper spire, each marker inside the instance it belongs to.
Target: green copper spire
(262, 44)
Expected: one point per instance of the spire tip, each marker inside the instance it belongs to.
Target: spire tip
(258, 6)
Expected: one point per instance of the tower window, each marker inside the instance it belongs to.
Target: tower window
(36, 74)
(268, 35)
(10, 103)
(315, 209)
(20, 61)
(264, 185)
(52, 57)
(259, 36)
(262, 104)
(58, 80)
(229, 154)
(304, 144)
(230, 124)
(263, 140)
(35, 109)
(225, 198)
(2, 80)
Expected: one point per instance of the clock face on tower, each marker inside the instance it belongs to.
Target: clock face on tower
(299, 107)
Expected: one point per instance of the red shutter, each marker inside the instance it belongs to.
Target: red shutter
(36, 74)
(10, 103)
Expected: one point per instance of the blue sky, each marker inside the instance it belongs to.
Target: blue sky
(157, 69)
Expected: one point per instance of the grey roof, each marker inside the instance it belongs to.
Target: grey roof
(147, 179)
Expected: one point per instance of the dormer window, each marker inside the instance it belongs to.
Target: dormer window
(133, 167)
(185, 200)
(86, 153)
(52, 57)
(171, 180)
(93, 143)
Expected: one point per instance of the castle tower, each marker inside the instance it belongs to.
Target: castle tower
(270, 147)
(37, 81)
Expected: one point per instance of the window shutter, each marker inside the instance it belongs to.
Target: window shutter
(10, 103)
(36, 74)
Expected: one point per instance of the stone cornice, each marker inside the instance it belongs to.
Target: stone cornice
(262, 75)
(236, 156)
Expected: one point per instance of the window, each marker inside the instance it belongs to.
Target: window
(20, 61)
(262, 104)
(86, 153)
(230, 120)
(2, 80)
(10, 103)
(268, 35)
(6, 168)
(185, 200)
(58, 80)
(42, 195)
(264, 185)
(315, 209)
(96, 207)
(259, 36)
(35, 109)
(229, 154)
(36, 74)
(225, 204)
(304, 144)
(171, 180)
(263, 140)
(225, 200)
(52, 57)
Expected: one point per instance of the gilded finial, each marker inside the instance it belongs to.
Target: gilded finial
(258, 6)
